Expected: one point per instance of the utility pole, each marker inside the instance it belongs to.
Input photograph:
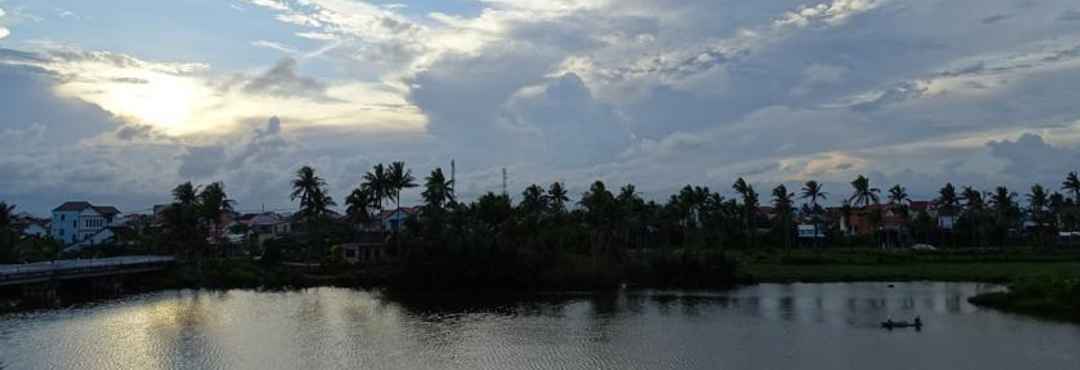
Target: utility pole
(505, 193)
(453, 178)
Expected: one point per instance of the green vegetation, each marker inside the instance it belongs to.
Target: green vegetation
(862, 264)
(1055, 296)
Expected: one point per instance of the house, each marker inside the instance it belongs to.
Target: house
(73, 222)
(369, 249)
(811, 232)
(32, 228)
(262, 226)
(394, 220)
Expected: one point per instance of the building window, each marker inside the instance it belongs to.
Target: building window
(63, 217)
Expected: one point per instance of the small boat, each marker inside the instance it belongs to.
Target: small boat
(917, 324)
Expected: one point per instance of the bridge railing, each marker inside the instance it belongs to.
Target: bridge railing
(62, 267)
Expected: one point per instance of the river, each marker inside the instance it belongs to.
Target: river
(769, 326)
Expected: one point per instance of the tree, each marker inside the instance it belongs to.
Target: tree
(438, 190)
(399, 179)
(1037, 204)
(377, 184)
(947, 203)
(182, 226)
(863, 194)
(213, 204)
(1072, 184)
(310, 189)
(1006, 212)
(359, 204)
(813, 191)
(974, 206)
(7, 235)
(899, 200)
(750, 205)
(782, 202)
(558, 196)
(7, 214)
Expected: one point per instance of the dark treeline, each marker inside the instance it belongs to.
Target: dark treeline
(604, 237)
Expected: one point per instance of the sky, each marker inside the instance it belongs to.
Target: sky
(115, 102)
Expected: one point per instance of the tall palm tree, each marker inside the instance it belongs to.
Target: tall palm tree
(185, 194)
(437, 189)
(213, 204)
(750, 205)
(1003, 202)
(558, 196)
(863, 194)
(782, 201)
(974, 205)
(7, 214)
(378, 184)
(813, 191)
(310, 189)
(1072, 184)
(898, 196)
(947, 204)
(1038, 201)
(399, 178)
(899, 200)
(360, 203)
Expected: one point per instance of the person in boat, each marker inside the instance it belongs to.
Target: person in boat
(918, 321)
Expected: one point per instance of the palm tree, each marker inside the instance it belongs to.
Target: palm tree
(750, 205)
(898, 199)
(813, 191)
(1072, 184)
(359, 204)
(783, 204)
(213, 204)
(7, 214)
(1003, 202)
(1037, 203)
(864, 194)
(377, 184)
(399, 179)
(311, 190)
(438, 190)
(185, 194)
(558, 196)
(973, 209)
(947, 204)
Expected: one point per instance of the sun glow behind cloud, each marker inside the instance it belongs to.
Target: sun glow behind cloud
(185, 99)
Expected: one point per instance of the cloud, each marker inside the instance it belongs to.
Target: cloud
(657, 93)
(1070, 16)
(1031, 158)
(274, 46)
(283, 81)
(995, 18)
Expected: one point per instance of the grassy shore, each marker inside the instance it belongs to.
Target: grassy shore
(1055, 296)
(843, 265)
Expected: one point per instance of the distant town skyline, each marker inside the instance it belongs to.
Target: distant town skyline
(117, 103)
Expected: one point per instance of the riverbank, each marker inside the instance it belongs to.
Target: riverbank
(852, 265)
(1053, 297)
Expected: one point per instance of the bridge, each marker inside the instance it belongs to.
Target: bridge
(43, 272)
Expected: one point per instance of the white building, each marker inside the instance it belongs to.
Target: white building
(74, 222)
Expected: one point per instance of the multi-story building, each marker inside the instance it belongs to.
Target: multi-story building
(74, 222)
